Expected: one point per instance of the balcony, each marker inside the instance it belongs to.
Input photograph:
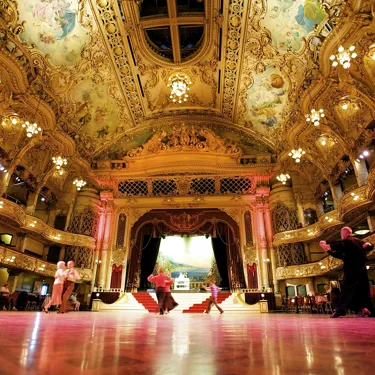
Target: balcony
(318, 268)
(11, 258)
(17, 215)
(352, 204)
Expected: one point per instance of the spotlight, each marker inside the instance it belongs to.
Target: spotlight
(366, 153)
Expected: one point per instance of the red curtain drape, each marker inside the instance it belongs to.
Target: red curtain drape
(116, 276)
(252, 276)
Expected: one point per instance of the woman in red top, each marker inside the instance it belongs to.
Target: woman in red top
(160, 281)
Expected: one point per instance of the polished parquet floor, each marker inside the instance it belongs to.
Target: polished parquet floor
(134, 343)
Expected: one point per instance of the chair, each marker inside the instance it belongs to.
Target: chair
(284, 304)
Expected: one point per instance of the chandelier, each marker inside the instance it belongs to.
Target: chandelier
(31, 129)
(179, 84)
(297, 154)
(314, 116)
(343, 57)
(59, 162)
(283, 178)
(79, 183)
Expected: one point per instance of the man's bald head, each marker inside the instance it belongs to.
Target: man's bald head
(346, 232)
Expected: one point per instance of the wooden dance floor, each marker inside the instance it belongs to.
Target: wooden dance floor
(133, 343)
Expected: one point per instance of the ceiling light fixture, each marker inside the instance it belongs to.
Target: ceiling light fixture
(179, 84)
(59, 162)
(314, 116)
(343, 57)
(79, 183)
(31, 129)
(283, 178)
(297, 154)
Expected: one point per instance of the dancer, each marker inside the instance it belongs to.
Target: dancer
(355, 290)
(170, 303)
(160, 281)
(213, 299)
(58, 287)
(72, 276)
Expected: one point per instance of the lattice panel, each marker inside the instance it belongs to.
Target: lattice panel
(133, 188)
(290, 254)
(202, 186)
(283, 218)
(85, 222)
(120, 239)
(81, 256)
(248, 228)
(240, 185)
(164, 187)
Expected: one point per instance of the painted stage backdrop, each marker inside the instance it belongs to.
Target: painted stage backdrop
(192, 256)
(53, 27)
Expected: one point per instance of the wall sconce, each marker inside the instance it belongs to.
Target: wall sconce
(329, 219)
(11, 259)
(79, 183)
(33, 224)
(1, 204)
(355, 196)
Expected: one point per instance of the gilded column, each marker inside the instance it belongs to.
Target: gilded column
(360, 171)
(269, 233)
(242, 245)
(107, 201)
(128, 228)
(262, 242)
(336, 193)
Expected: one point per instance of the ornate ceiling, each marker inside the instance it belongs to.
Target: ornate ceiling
(256, 67)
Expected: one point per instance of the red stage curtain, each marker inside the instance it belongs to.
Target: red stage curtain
(252, 276)
(116, 276)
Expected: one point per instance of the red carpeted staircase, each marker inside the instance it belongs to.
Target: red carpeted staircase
(147, 301)
(198, 308)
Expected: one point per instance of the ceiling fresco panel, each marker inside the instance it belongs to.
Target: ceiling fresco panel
(266, 99)
(53, 27)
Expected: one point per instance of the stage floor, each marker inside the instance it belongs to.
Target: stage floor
(133, 343)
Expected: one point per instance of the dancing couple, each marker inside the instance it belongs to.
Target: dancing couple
(63, 286)
(163, 283)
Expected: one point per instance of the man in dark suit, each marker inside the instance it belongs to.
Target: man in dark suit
(356, 289)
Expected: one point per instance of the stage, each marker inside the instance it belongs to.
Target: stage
(126, 342)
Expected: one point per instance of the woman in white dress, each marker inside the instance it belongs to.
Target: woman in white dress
(58, 287)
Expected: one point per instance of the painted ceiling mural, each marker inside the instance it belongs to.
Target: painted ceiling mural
(290, 21)
(266, 99)
(109, 89)
(53, 27)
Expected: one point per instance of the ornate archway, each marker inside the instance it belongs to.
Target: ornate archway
(193, 221)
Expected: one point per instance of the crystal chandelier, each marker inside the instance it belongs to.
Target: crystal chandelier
(343, 57)
(283, 178)
(297, 154)
(179, 84)
(314, 116)
(59, 162)
(79, 183)
(31, 129)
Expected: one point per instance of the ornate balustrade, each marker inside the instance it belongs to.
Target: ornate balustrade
(316, 268)
(32, 224)
(352, 203)
(314, 231)
(17, 259)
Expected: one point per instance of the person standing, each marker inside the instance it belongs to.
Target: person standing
(4, 297)
(355, 290)
(72, 276)
(213, 299)
(58, 287)
(160, 281)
